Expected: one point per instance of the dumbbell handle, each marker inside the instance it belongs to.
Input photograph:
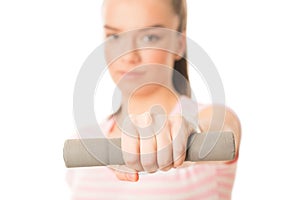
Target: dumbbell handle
(212, 146)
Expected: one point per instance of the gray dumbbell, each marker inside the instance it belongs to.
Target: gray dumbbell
(212, 146)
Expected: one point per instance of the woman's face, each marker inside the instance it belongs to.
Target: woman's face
(126, 15)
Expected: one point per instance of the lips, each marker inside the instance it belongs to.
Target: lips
(132, 74)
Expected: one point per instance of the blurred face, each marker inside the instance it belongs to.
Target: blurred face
(132, 24)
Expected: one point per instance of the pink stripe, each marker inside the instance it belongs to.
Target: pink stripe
(229, 175)
(225, 185)
(225, 196)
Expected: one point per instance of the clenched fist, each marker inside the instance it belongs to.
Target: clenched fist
(152, 142)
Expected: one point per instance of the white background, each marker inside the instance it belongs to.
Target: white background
(254, 44)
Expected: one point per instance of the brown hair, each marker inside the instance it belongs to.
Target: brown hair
(181, 86)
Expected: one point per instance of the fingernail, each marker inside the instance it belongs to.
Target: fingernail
(131, 177)
(144, 120)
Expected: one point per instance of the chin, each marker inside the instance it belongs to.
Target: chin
(139, 91)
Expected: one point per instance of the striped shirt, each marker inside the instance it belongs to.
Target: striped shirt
(196, 181)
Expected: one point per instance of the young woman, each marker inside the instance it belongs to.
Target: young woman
(161, 153)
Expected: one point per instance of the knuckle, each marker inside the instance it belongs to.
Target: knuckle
(179, 150)
(164, 163)
(131, 160)
(179, 159)
(149, 163)
(178, 162)
(166, 168)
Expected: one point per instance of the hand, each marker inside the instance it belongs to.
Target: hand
(151, 143)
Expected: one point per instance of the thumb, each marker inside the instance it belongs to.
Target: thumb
(125, 173)
(141, 120)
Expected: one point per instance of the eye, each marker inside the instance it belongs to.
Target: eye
(112, 36)
(151, 38)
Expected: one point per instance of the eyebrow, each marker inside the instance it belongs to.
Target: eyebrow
(116, 29)
(110, 27)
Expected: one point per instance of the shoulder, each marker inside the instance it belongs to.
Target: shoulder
(220, 118)
(209, 110)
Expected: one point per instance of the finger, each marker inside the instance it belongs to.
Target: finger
(125, 173)
(147, 141)
(131, 146)
(148, 148)
(164, 144)
(179, 134)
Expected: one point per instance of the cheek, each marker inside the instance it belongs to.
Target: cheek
(162, 63)
(159, 57)
(113, 71)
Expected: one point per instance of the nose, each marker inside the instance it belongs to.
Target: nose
(132, 57)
